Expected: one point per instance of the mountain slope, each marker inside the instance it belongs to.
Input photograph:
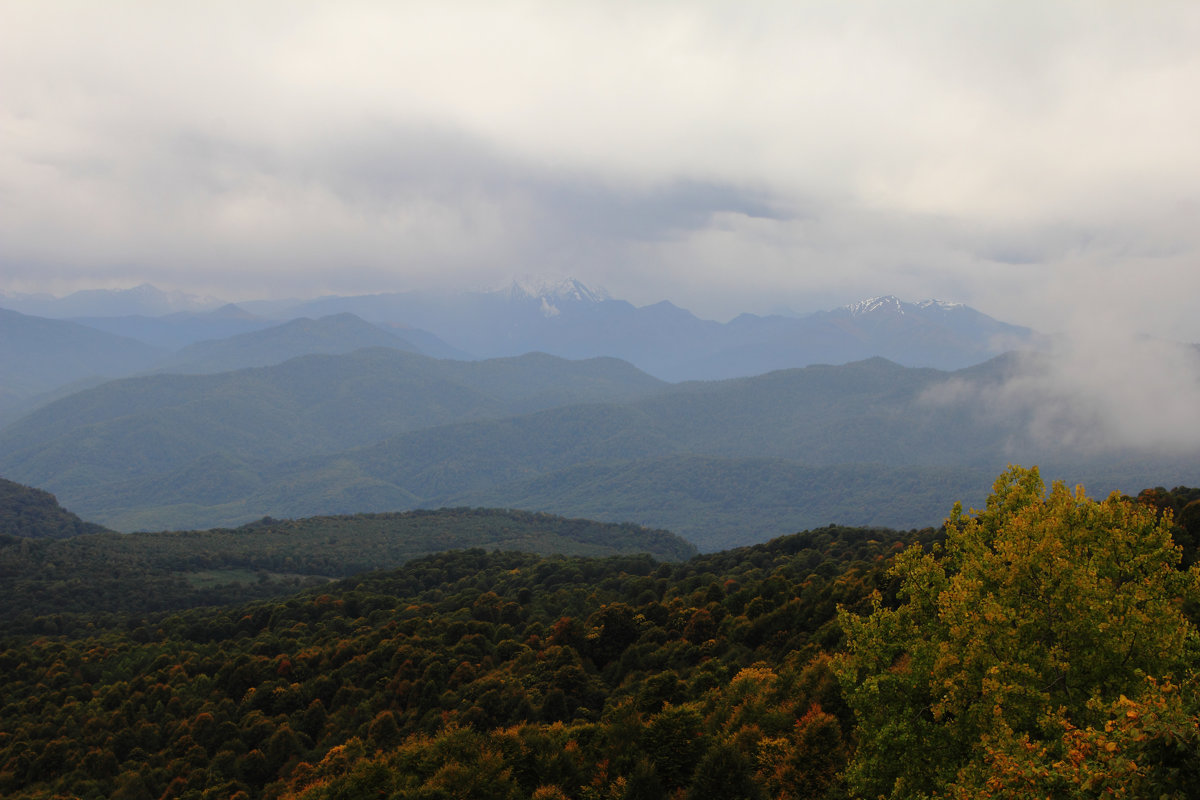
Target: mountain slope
(32, 513)
(39, 354)
(569, 319)
(145, 428)
(152, 572)
(717, 503)
(725, 462)
(180, 328)
(333, 335)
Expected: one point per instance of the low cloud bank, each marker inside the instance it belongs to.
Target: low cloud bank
(1088, 394)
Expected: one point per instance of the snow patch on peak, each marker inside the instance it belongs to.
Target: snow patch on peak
(940, 304)
(883, 303)
(892, 304)
(542, 287)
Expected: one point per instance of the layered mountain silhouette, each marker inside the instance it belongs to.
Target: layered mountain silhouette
(39, 355)
(571, 320)
(721, 462)
(332, 335)
(43, 358)
(514, 398)
(113, 334)
(181, 328)
(144, 300)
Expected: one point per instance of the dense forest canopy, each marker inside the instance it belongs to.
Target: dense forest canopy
(211, 702)
(1045, 645)
(121, 574)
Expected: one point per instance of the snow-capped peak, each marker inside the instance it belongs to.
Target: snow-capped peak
(939, 304)
(551, 289)
(892, 304)
(884, 303)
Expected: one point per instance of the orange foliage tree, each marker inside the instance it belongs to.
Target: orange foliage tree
(1015, 643)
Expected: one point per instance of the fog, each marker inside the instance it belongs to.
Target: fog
(1091, 395)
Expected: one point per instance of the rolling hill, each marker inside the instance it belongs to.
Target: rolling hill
(144, 573)
(722, 502)
(723, 462)
(38, 355)
(334, 335)
(34, 514)
(147, 427)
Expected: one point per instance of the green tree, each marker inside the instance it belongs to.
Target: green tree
(643, 783)
(1036, 614)
(724, 772)
(674, 741)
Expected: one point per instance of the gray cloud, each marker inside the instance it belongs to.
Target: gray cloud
(1036, 161)
(1094, 394)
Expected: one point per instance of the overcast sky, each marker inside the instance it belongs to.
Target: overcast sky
(1036, 160)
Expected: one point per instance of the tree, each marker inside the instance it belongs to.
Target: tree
(1146, 748)
(674, 741)
(643, 783)
(1035, 616)
(724, 772)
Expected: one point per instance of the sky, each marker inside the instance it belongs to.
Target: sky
(1035, 160)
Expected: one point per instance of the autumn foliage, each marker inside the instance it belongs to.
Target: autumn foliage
(1045, 646)
(1021, 650)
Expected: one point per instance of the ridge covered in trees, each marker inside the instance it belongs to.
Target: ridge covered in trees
(29, 512)
(722, 463)
(53, 586)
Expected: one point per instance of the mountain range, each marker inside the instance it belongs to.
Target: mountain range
(719, 462)
(40, 355)
(144, 300)
(571, 320)
(42, 359)
(96, 335)
(878, 413)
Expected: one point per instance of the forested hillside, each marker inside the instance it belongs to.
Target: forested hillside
(619, 656)
(54, 586)
(29, 512)
(39, 355)
(980, 660)
(217, 432)
(721, 463)
(716, 503)
(343, 333)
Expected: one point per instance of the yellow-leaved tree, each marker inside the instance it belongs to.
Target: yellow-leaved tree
(1025, 653)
